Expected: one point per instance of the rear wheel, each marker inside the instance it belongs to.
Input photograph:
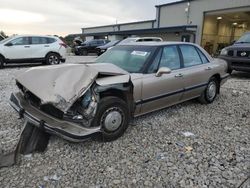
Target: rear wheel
(113, 117)
(1, 62)
(52, 59)
(211, 91)
(84, 52)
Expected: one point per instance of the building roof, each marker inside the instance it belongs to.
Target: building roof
(146, 31)
(174, 3)
(114, 25)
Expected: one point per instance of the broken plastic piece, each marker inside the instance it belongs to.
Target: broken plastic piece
(189, 149)
(32, 140)
(188, 134)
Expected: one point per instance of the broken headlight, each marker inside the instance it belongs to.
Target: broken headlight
(83, 110)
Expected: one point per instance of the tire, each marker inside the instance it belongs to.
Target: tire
(211, 91)
(1, 62)
(84, 52)
(52, 59)
(229, 71)
(113, 116)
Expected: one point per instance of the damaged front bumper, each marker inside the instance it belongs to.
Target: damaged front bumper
(65, 129)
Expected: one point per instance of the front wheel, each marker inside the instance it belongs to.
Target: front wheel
(52, 59)
(113, 117)
(211, 91)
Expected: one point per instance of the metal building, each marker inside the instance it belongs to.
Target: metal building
(211, 23)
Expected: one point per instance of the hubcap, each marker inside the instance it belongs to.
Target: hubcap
(53, 60)
(211, 90)
(112, 119)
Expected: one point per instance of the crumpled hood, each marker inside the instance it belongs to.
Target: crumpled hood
(62, 85)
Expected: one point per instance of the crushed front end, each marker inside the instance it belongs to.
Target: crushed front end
(74, 125)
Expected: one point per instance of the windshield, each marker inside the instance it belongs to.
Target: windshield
(112, 43)
(244, 39)
(5, 40)
(129, 58)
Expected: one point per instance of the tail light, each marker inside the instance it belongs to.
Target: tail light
(63, 44)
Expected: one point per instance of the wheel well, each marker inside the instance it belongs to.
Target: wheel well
(2, 56)
(126, 95)
(52, 53)
(115, 93)
(218, 78)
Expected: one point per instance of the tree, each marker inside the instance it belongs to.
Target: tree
(3, 34)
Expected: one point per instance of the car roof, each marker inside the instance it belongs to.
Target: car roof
(26, 35)
(153, 43)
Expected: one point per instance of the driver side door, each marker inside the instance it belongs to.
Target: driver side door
(20, 49)
(167, 89)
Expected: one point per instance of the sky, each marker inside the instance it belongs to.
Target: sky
(63, 17)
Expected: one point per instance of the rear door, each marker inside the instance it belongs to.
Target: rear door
(20, 49)
(166, 90)
(40, 47)
(196, 71)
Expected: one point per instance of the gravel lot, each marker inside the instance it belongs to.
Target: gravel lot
(154, 151)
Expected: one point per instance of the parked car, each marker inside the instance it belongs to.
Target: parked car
(104, 48)
(89, 46)
(238, 54)
(27, 48)
(77, 101)
(140, 39)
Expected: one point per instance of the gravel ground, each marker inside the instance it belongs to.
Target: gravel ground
(154, 152)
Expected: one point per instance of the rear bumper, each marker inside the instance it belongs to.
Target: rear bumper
(62, 60)
(237, 63)
(67, 130)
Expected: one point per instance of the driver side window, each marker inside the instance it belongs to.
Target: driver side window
(21, 41)
(170, 58)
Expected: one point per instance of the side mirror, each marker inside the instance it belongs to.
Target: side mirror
(8, 44)
(163, 70)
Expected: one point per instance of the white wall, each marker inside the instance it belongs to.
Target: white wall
(115, 37)
(89, 38)
(134, 26)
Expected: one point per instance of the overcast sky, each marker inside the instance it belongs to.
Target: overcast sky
(64, 17)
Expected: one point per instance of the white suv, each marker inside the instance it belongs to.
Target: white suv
(26, 48)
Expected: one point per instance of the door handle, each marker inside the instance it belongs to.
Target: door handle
(26, 46)
(46, 46)
(208, 68)
(179, 75)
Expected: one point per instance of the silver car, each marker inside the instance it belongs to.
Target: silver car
(77, 101)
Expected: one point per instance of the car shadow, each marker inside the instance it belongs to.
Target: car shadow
(238, 74)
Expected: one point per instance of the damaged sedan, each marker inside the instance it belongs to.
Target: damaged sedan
(78, 101)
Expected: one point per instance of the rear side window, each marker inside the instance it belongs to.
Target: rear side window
(190, 56)
(170, 58)
(42, 40)
(203, 57)
(50, 40)
(38, 40)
